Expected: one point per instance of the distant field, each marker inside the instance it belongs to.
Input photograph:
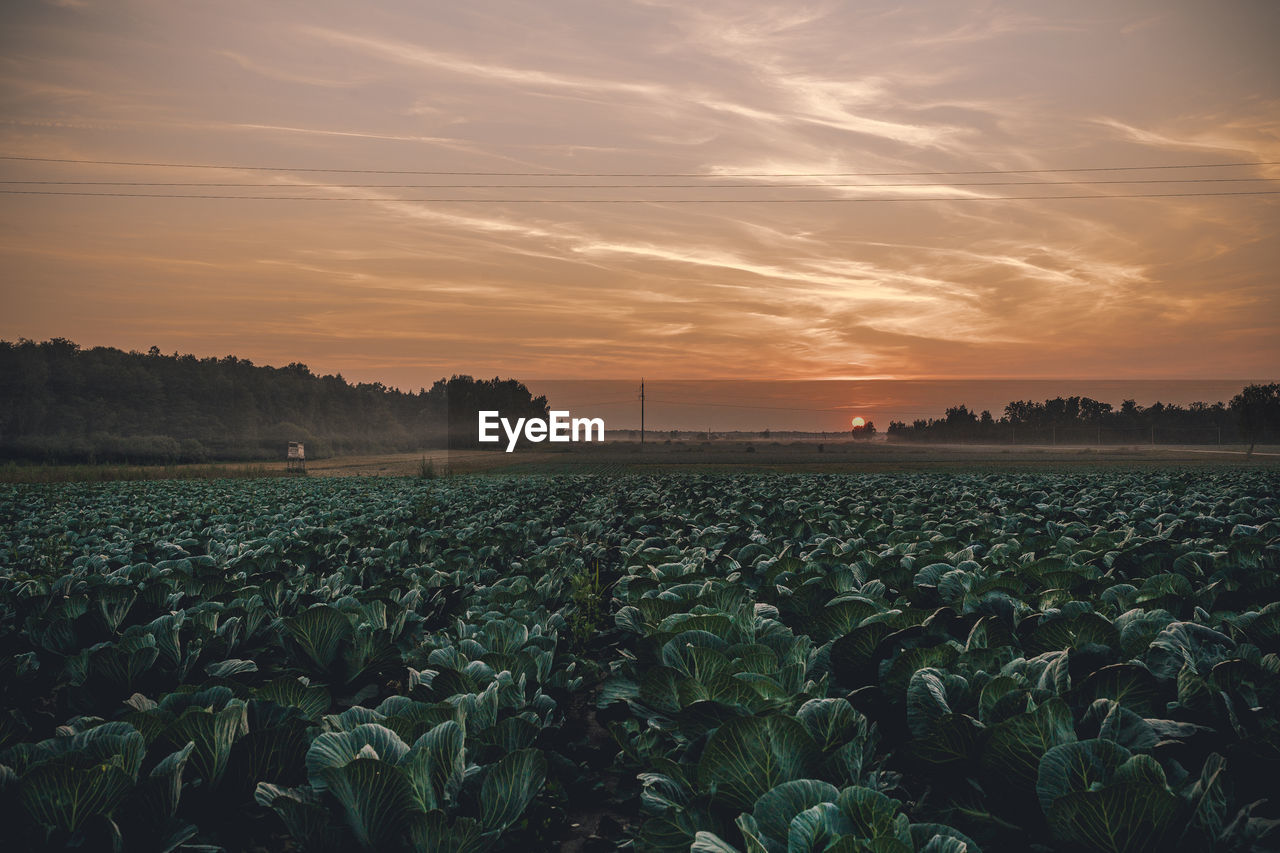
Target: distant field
(799, 456)
(655, 456)
(879, 457)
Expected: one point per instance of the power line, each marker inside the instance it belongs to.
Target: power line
(849, 409)
(755, 186)
(636, 200)
(697, 403)
(630, 174)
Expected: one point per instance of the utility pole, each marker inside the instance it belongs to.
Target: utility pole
(642, 410)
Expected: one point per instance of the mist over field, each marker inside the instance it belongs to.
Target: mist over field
(830, 405)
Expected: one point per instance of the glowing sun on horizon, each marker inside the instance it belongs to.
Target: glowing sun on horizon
(858, 422)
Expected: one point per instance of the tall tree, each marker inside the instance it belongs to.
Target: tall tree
(1257, 409)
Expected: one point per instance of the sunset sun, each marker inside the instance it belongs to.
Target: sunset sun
(859, 422)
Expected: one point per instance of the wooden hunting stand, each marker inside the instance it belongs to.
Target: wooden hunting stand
(296, 460)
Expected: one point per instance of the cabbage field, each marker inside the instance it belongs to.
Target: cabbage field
(763, 663)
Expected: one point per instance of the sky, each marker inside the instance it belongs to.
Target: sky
(741, 147)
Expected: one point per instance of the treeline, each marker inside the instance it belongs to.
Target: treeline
(1253, 415)
(60, 403)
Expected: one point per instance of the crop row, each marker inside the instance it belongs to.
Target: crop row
(753, 663)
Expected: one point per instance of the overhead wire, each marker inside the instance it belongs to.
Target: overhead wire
(554, 174)
(755, 186)
(80, 192)
(444, 200)
(699, 403)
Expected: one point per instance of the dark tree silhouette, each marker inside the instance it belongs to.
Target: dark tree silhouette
(60, 403)
(1081, 419)
(866, 431)
(1257, 409)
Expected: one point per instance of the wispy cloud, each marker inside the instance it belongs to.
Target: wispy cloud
(359, 135)
(1207, 138)
(455, 64)
(993, 25)
(283, 74)
(649, 88)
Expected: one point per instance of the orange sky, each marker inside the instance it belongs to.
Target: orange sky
(404, 292)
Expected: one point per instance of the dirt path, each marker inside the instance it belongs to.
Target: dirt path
(853, 457)
(411, 464)
(727, 455)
